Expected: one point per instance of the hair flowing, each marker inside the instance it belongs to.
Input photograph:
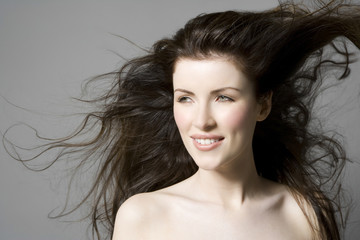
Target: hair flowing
(286, 50)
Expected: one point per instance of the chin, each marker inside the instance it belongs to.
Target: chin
(208, 163)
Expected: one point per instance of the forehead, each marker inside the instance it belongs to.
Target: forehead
(217, 71)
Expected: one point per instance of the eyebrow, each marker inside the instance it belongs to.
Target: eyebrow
(212, 92)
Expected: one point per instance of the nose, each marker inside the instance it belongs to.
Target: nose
(203, 118)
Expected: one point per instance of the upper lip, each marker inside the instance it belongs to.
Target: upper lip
(206, 136)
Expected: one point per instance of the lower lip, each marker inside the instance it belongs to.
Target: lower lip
(207, 147)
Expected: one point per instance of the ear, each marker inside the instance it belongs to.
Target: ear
(265, 106)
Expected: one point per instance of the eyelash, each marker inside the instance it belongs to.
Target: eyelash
(220, 98)
(184, 99)
(223, 98)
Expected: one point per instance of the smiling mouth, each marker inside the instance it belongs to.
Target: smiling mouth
(206, 141)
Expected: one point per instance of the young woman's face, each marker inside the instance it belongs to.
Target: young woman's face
(215, 111)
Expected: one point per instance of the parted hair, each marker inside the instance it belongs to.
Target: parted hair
(286, 51)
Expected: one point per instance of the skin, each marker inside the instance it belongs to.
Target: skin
(225, 198)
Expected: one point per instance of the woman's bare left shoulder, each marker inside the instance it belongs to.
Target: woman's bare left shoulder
(292, 208)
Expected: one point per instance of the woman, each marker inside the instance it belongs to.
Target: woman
(209, 136)
(216, 110)
(243, 84)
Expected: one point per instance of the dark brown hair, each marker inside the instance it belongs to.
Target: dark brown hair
(287, 51)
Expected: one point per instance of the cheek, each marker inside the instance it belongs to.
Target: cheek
(240, 117)
(181, 118)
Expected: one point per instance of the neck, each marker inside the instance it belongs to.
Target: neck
(228, 186)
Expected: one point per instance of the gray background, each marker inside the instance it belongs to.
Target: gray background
(48, 48)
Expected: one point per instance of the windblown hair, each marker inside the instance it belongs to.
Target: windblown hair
(287, 50)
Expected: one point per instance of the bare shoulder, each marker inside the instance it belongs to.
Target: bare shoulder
(296, 213)
(134, 214)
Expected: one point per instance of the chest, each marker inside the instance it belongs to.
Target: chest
(185, 222)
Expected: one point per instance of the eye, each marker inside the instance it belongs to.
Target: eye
(222, 98)
(184, 99)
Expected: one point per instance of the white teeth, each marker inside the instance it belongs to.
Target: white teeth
(206, 141)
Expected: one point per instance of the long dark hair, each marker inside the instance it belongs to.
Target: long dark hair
(134, 141)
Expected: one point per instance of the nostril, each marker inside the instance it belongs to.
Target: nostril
(206, 126)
